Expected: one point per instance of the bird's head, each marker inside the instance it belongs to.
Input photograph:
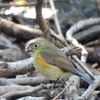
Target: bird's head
(35, 45)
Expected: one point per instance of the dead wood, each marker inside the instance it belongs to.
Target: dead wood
(25, 33)
(11, 69)
(47, 32)
(11, 88)
(80, 25)
(90, 90)
(41, 21)
(30, 98)
(16, 92)
(28, 80)
(89, 34)
(73, 91)
(21, 32)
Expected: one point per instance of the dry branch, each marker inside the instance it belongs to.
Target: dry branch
(73, 91)
(17, 94)
(11, 69)
(75, 28)
(83, 67)
(29, 80)
(81, 24)
(41, 21)
(88, 34)
(55, 98)
(47, 32)
(8, 88)
(19, 31)
(90, 90)
(30, 98)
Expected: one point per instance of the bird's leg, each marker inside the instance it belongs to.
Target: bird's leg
(55, 83)
(58, 89)
(62, 83)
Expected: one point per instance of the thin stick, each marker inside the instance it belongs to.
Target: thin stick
(83, 66)
(56, 18)
(55, 98)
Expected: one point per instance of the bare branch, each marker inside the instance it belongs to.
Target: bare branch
(90, 90)
(17, 94)
(55, 98)
(88, 33)
(8, 69)
(81, 24)
(29, 80)
(42, 23)
(18, 31)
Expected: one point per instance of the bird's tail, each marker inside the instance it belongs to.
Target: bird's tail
(84, 77)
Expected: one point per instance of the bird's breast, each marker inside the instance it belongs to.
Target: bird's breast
(39, 61)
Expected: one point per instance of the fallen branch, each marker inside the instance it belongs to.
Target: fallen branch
(29, 80)
(73, 91)
(88, 34)
(90, 90)
(75, 28)
(81, 24)
(19, 31)
(83, 67)
(17, 94)
(13, 87)
(29, 90)
(11, 69)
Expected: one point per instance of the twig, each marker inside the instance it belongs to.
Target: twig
(41, 21)
(90, 90)
(56, 18)
(64, 42)
(73, 91)
(43, 25)
(55, 98)
(83, 66)
(29, 90)
(22, 93)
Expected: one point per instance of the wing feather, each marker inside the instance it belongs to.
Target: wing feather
(58, 60)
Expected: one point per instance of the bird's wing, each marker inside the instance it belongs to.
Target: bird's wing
(58, 60)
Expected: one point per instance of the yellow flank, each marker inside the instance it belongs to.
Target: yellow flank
(48, 70)
(40, 62)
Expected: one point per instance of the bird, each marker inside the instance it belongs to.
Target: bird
(51, 62)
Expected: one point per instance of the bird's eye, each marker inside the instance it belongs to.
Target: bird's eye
(36, 45)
